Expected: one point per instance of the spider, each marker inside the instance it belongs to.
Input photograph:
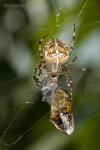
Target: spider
(55, 55)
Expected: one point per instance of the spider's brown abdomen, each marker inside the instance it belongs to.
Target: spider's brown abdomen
(55, 51)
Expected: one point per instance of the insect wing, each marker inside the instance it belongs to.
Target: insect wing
(58, 126)
(68, 123)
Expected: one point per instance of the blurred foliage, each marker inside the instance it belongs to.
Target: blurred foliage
(24, 119)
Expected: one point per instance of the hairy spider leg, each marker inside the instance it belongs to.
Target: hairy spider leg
(42, 65)
(38, 71)
(40, 45)
(73, 41)
(73, 60)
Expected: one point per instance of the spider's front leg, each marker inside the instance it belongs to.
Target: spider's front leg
(67, 74)
(73, 41)
(38, 72)
(40, 45)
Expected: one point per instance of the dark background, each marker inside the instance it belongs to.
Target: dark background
(24, 119)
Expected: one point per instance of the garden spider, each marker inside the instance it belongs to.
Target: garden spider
(54, 61)
(54, 58)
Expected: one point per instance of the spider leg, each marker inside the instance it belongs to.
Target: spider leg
(39, 68)
(73, 41)
(67, 74)
(40, 45)
(38, 72)
(73, 60)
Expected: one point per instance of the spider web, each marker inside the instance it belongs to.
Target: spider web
(58, 9)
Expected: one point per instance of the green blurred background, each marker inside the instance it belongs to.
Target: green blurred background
(24, 119)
